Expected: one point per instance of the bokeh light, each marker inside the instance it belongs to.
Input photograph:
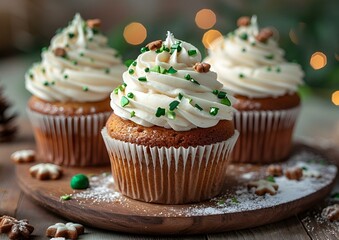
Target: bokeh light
(209, 37)
(318, 60)
(293, 37)
(205, 18)
(336, 56)
(135, 33)
(335, 98)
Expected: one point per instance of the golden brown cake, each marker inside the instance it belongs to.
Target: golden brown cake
(250, 64)
(171, 132)
(70, 102)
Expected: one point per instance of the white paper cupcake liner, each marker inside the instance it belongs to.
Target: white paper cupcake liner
(265, 136)
(70, 140)
(169, 175)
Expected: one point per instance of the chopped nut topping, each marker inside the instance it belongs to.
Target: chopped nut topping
(243, 21)
(274, 170)
(94, 23)
(60, 52)
(264, 35)
(294, 173)
(202, 67)
(154, 45)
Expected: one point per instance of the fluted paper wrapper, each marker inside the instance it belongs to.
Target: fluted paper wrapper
(70, 140)
(265, 136)
(169, 175)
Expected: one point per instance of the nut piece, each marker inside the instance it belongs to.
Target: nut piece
(46, 171)
(331, 212)
(294, 173)
(243, 21)
(94, 23)
(264, 35)
(202, 67)
(15, 229)
(23, 156)
(68, 230)
(274, 170)
(60, 52)
(263, 186)
(154, 45)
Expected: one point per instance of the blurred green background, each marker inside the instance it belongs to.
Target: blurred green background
(304, 28)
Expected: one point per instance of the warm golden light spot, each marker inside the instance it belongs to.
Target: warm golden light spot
(205, 18)
(335, 98)
(209, 37)
(336, 56)
(318, 60)
(135, 33)
(293, 37)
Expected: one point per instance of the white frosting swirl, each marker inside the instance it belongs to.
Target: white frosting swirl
(150, 93)
(88, 72)
(252, 68)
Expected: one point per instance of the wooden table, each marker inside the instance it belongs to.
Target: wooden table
(13, 202)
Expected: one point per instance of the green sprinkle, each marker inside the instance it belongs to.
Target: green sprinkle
(335, 195)
(85, 88)
(171, 115)
(278, 70)
(243, 50)
(43, 70)
(44, 49)
(160, 112)
(53, 83)
(221, 94)
(192, 52)
(241, 75)
(194, 81)
(270, 57)
(81, 54)
(176, 46)
(131, 71)
(163, 70)
(107, 70)
(71, 35)
(304, 168)
(144, 49)
(116, 90)
(188, 77)
(156, 68)
(128, 62)
(215, 92)
(75, 62)
(134, 63)
(132, 114)
(31, 76)
(226, 101)
(180, 96)
(243, 36)
(142, 79)
(79, 181)
(90, 39)
(269, 69)
(221, 202)
(67, 45)
(46, 83)
(130, 95)
(124, 101)
(65, 76)
(270, 179)
(65, 197)
(146, 69)
(171, 70)
(234, 200)
(253, 44)
(214, 111)
(198, 107)
(173, 105)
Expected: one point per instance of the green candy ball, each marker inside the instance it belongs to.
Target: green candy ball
(79, 181)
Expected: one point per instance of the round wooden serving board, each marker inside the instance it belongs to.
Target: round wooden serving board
(237, 208)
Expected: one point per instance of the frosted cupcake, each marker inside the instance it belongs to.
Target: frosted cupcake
(71, 88)
(171, 131)
(250, 64)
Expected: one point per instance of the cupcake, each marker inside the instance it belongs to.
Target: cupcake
(171, 132)
(251, 65)
(71, 87)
